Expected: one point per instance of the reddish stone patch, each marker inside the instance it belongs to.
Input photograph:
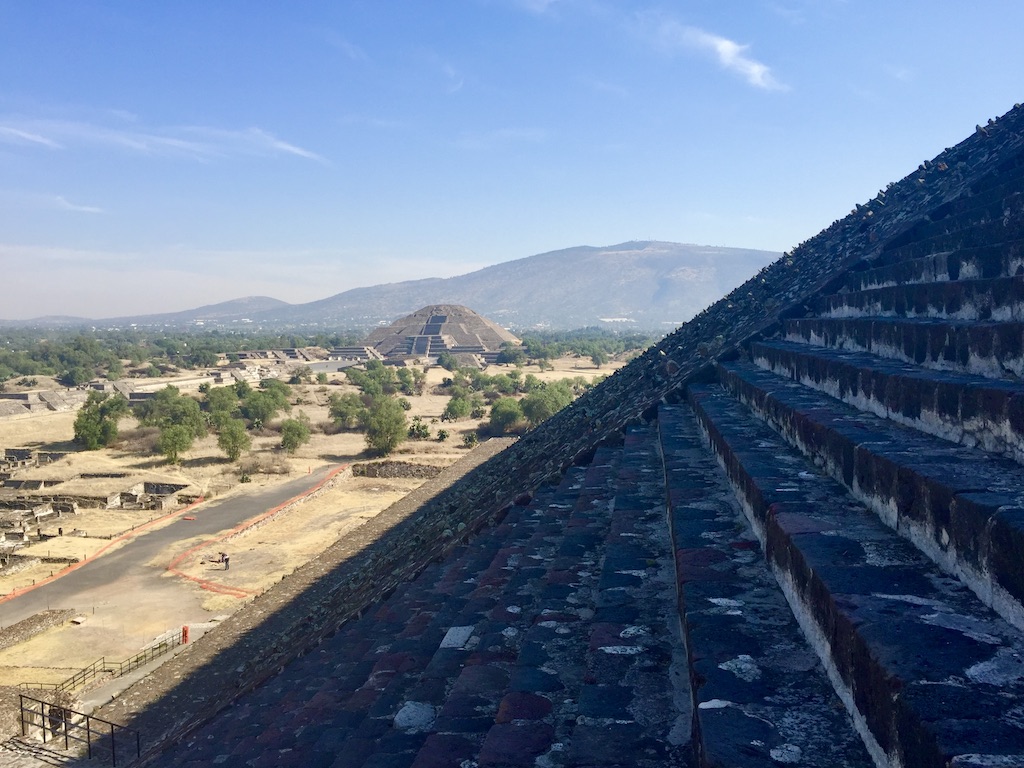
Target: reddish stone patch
(743, 544)
(481, 680)
(514, 745)
(395, 662)
(602, 635)
(444, 751)
(520, 705)
(793, 523)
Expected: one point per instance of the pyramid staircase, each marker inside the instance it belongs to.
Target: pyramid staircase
(808, 551)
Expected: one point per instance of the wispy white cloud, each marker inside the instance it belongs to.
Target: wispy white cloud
(501, 137)
(65, 205)
(453, 77)
(11, 135)
(372, 122)
(903, 74)
(347, 47)
(198, 142)
(730, 55)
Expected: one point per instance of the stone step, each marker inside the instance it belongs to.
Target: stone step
(960, 407)
(998, 299)
(634, 702)
(983, 348)
(538, 639)
(961, 507)
(931, 676)
(986, 262)
(761, 697)
(953, 235)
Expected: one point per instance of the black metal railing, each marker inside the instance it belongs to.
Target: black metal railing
(98, 738)
(113, 668)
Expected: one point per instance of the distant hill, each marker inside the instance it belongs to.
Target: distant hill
(646, 285)
(225, 312)
(650, 285)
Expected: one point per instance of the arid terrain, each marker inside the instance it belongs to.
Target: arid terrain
(182, 584)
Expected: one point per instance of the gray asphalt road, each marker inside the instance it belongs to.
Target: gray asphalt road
(129, 562)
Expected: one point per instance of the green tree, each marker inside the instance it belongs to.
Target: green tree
(348, 411)
(301, 375)
(169, 407)
(233, 439)
(294, 432)
(386, 427)
(457, 408)
(511, 355)
(447, 361)
(96, 423)
(505, 414)
(174, 440)
(261, 405)
(75, 377)
(546, 402)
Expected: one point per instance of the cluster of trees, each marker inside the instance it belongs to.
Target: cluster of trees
(377, 409)
(232, 412)
(596, 344)
(75, 357)
(470, 391)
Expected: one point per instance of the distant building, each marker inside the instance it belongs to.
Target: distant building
(440, 328)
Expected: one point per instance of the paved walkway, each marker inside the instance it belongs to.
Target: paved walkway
(128, 567)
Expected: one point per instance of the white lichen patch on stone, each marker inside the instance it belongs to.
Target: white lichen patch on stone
(633, 632)
(744, 667)
(970, 627)
(912, 599)
(725, 602)
(987, 761)
(622, 650)
(714, 704)
(1005, 667)
(788, 754)
(415, 716)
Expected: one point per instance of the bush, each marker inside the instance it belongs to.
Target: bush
(418, 430)
(505, 415)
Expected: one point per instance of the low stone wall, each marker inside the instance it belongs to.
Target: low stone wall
(395, 469)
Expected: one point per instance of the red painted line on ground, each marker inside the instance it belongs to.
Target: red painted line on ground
(225, 589)
(123, 537)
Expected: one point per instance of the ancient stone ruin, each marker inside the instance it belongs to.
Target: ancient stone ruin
(430, 331)
(792, 533)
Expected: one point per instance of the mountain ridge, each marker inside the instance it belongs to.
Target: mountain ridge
(652, 285)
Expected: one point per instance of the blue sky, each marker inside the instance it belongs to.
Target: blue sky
(160, 156)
